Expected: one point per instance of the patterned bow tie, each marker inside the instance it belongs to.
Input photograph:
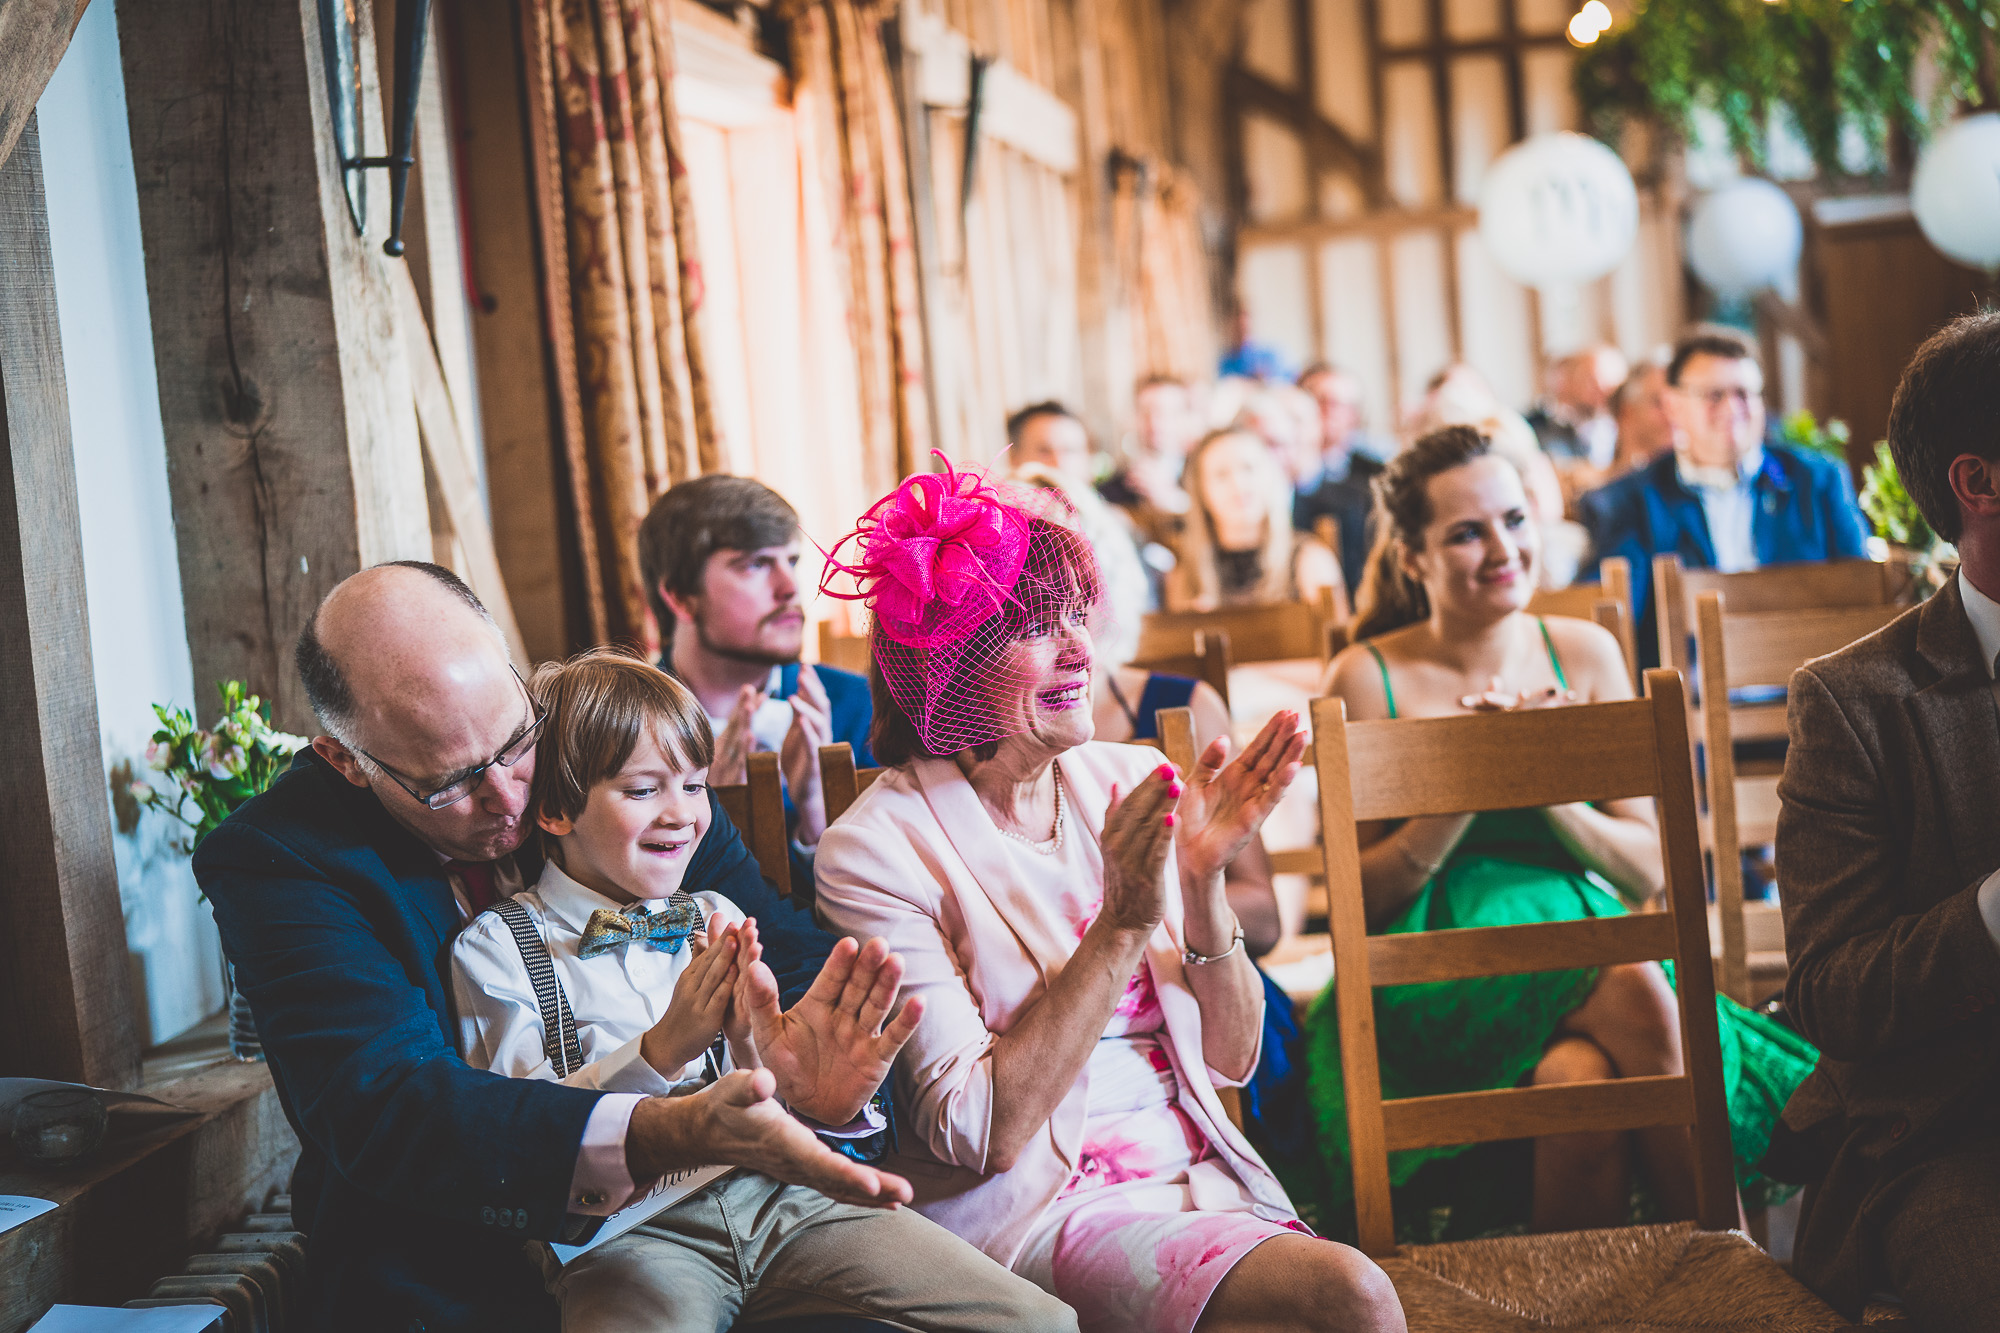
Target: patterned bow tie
(663, 930)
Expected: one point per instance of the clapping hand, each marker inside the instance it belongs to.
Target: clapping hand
(1138, 829)
(1225, 805)
(812, 727)
(731, 764)
(1497, 698)
(831, 1050)
(701, 1002)
(738, 1122)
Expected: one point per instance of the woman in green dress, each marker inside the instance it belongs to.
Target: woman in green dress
(1443, 630)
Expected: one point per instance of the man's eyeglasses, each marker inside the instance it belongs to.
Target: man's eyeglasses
(468, 782)
(1711, 399)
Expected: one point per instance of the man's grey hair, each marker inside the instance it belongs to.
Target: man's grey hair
(327, 688)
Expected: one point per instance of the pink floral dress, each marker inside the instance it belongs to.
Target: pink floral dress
(1152, 1219)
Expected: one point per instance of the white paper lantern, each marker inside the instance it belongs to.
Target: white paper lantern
(1744, 237)
(1956, 191)
(1558, 208)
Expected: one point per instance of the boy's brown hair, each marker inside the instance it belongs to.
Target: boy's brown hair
(598, 704)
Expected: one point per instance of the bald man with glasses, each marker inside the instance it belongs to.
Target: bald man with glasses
(339, 892)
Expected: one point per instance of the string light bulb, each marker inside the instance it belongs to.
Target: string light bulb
(1589, 23)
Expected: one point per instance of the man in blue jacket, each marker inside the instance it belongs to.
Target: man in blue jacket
(1726, 497)
(720, 558)
(338, 893)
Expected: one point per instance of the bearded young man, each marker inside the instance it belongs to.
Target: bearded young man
(720, 558)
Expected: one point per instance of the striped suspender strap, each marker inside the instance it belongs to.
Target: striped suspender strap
(558, 1025)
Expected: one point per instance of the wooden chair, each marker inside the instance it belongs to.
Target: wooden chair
(1818, 584)
(840, 782)
(1677, 1275)
(757, 807)
(1740, 651)
(1608, 602)
(1276, 632)
(849, 652)
(1209, 662)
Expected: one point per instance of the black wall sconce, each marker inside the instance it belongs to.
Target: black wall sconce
(339, 40)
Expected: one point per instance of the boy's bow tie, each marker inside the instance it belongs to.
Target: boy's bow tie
(663, 930)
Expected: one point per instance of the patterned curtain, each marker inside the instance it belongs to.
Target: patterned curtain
(844, 87)
(624, 284)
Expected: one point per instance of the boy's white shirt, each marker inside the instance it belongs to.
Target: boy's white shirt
(614, 997)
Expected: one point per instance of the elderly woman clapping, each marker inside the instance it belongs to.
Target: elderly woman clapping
(1059, 906)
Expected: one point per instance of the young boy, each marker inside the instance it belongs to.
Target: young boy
(645, 980)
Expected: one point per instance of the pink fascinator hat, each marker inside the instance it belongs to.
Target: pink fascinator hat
(955, 571)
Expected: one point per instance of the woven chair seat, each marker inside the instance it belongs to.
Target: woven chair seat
(1627, 1280)
(1886, 1312)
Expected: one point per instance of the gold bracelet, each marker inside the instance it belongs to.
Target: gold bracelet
(1428, 872)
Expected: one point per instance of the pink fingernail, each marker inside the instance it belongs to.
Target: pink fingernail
(1170, 821)
(1173, 789)
(1167, 771)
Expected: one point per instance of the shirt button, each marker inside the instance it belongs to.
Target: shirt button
(1899, 1129)
(590, 1198)
(486, 1215)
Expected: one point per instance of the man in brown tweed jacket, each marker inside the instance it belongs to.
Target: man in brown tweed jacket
(1888, 847)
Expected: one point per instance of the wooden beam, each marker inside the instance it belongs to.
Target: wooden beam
(449, 455)
(517, 405)
(292, 445)
(1323, 139)
(33, 36)
(63, 971)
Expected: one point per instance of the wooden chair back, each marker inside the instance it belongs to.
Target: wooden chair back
(849, 652)
(1740, 651)
(1438, 766)
(1208, 663)
(1268, 633)
(1814, 585)
(840, 782)
(1608, 602)
(757, 807)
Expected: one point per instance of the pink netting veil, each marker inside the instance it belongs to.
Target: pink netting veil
(983, 600)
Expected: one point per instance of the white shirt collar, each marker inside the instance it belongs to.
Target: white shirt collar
(1697, 478)
(1984, 613)
(570, 902)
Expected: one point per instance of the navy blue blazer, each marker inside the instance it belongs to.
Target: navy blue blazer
(1805, 511)
(418, 1175)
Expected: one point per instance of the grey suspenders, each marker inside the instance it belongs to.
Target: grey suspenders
(559, 1040)
(558, 1026)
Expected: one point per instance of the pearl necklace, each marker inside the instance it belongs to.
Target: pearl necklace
(1053, 843)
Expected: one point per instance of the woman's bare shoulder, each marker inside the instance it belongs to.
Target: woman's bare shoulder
(1355, 676)
(1593, 661)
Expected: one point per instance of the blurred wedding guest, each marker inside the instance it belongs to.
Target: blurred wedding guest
(1891, 851)
(1645, 426)
(720, 558)
(1287, 419)
(1051, 435)
(1248, 357)
(1727, 497)
(1126, 586)
(1340, 486)
(1239, 548)
(1146, 486)
(1455, 395)
(1443, 630)
(1573, 420)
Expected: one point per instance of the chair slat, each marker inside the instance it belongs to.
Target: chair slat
(1765, 647)
(1552, 946)
(1276, 632)
(1793, 587)
(1552, 756)
(1519, 1113)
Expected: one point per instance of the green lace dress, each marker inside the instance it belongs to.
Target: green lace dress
(1489, 1032)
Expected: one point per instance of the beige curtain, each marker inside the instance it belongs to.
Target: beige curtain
(844, 86)
(1156, 212)
(624, 284)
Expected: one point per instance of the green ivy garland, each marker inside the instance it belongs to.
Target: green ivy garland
(1830, 63)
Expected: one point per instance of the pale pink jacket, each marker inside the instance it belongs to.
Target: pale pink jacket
(918, 861)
